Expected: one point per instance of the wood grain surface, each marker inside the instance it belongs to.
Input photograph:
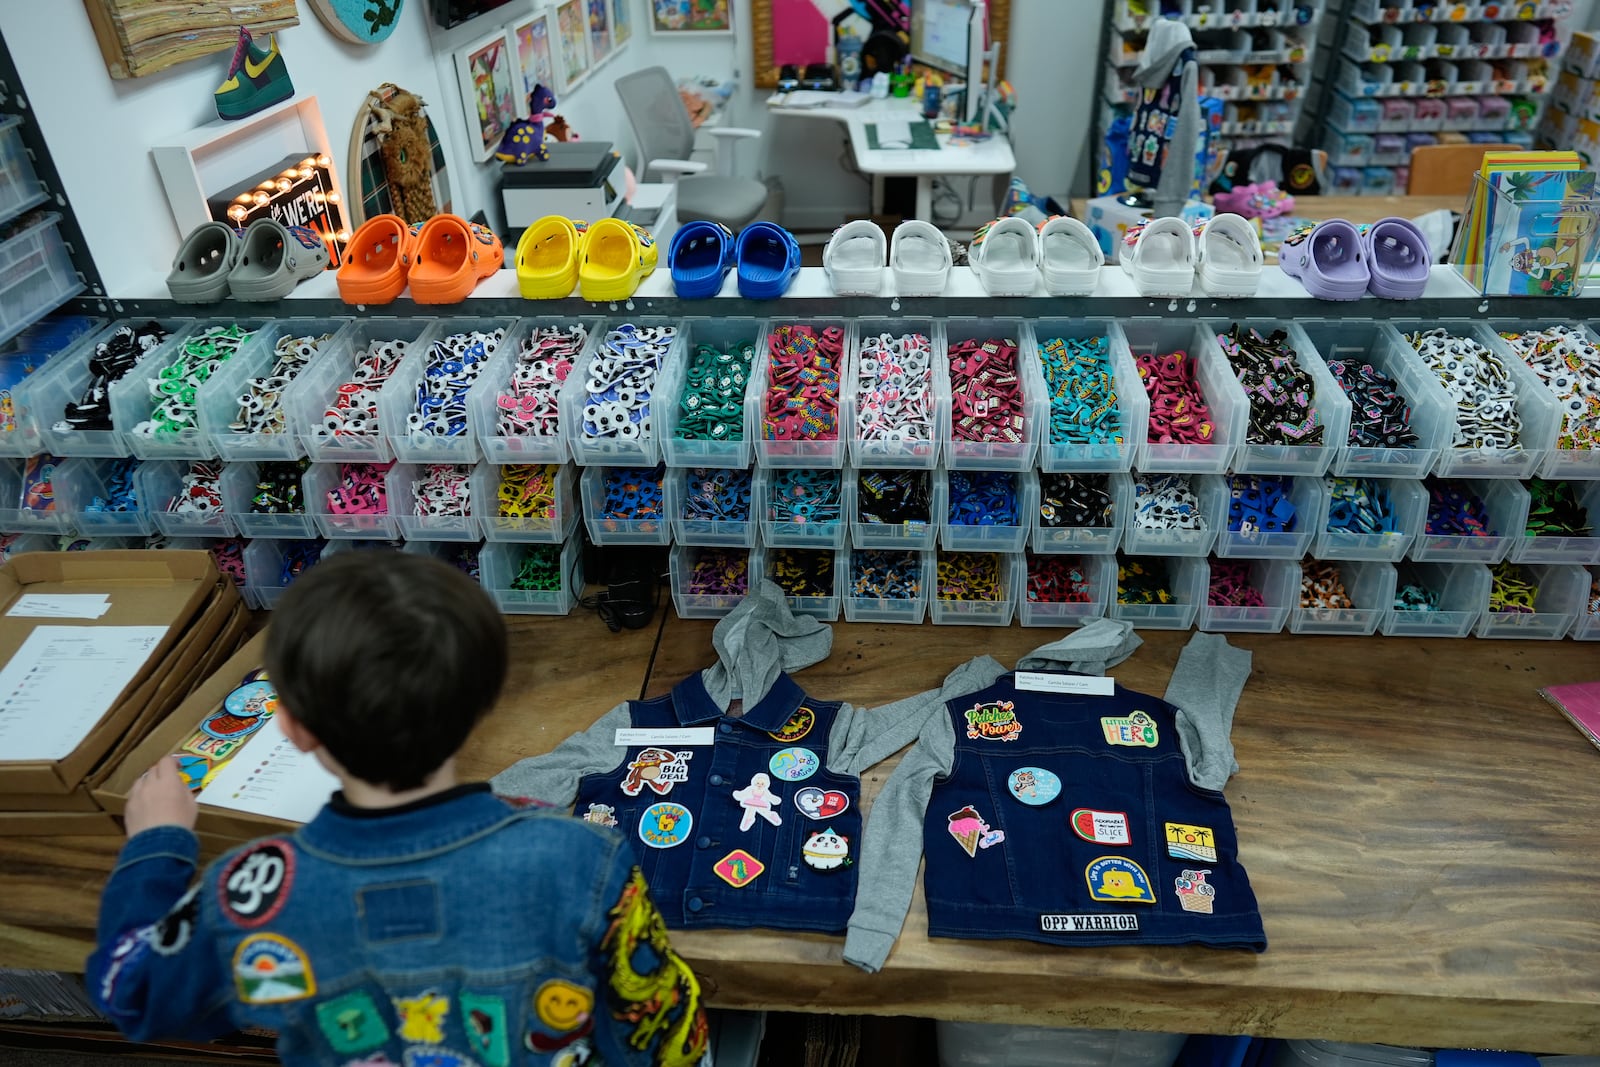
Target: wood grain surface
(1413, 818)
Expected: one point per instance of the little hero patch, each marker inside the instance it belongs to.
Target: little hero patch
(255, 884)
(658, 768)
(1122, 881)
(1136, 731)
(799, 724)
(994, 721)
(268, 969)
(1185, 842)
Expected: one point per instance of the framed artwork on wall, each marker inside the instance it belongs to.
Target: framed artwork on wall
(621, 22)
(691, 16)
(598, 13)
(781, 31)
(572, 41)
(536, 63)
(489, 87)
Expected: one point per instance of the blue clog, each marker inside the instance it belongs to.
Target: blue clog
(700, 257)
(769, 259)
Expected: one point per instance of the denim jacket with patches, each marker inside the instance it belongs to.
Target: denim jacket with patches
(455, 932)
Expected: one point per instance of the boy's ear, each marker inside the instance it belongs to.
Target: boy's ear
(298, 735)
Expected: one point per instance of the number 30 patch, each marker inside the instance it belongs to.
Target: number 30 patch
(254, 887)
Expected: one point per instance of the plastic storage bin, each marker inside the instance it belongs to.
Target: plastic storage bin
(1087, 540)
(1223, 396)
(976, 612)
(913, 455)
(1370, 587)
(687, 531)
(641, 451)
(218, 401)
(1563, 595)
(1586, 624)
(398, 401)
(317, 388)
(830, 534)
(1507, 505)
(907, 535)
(1463, 590)
(1187, 580)
(827, 452)
(77, 482)
(239, 481)
(1100, 573)
(1343, 1054)
(610, 531)
(1140, 541)
(319, 479)
(160, 481)
(132, 402)
(263, 570)
(1564, 549)
(963, 537)
(530, 530)
(1410, 501)
(414, 527)
(826, 607)
(722, 334)
(1328, 403)
(1133, 406)
(498, 564)
(36, 275)
(1000, 1045)
(483, 409)
(994, 455)
(1310, 501)
(887, 609)
(14, 518)
(680, 566)
(1432, 414)
(1540, 418)
(19, 185)
(1559, 463)
(1279, 582)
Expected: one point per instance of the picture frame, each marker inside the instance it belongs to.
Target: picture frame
(534, 51)
(621, 22)
(764, 30)
(598, 18)
(489, 84)
(684, 18)
(572, 42)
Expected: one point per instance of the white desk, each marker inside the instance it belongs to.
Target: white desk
(993, 156)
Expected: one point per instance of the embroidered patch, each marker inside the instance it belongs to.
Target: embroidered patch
(1034, 785)
(1101, 827)
(654, 995)
(665, 825)
(820, 804)
(1185, 842)
(1194, 892)
(1089, 924)
(658, 768)
(994, 721)
(484, 1019)
(169, 936)
(971, 832)
(799, 724)
(794, 764)
(437, 1056)
(758, 800)
(826, 851)
(1136, 731)
(563, 1005)
(603, 814)
(577, 1056)
(1118, 879)
(422, 1017)
(738, 868)
(243, 712)
(351, 1023)
(269, 969)
(255, 885)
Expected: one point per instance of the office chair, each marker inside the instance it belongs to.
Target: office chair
(665, 139)
(1447, 169)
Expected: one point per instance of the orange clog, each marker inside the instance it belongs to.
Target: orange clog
(376, 261)
(450, 257)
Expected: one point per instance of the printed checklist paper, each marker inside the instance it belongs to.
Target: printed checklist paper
(269, 776)
(61, 683)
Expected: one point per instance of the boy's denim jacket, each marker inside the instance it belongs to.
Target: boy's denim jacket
(455, 932)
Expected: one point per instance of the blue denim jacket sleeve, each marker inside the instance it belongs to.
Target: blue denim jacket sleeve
(553, 777)
(653, 1015)
(151, 972)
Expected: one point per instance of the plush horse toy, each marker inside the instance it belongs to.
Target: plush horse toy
(524, 140)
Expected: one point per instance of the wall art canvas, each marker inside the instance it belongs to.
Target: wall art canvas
(535, 60)
(598, 13)
(621, 22)
(572, 36)
(691, 16)
(489, 91)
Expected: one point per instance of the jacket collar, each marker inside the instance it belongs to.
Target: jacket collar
(693, 704)
(408, 833)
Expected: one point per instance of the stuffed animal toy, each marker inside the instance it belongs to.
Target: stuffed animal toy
(524, 140)
(407, 158)
(560, 131)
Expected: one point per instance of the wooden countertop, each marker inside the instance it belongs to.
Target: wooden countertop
(1411, 813)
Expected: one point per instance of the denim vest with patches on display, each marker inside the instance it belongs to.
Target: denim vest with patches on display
(1071, 820)
(779, 854)
(1154, 124)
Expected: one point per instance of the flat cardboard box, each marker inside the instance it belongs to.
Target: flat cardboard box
(58, 824)
(165, 738)
(171, 589)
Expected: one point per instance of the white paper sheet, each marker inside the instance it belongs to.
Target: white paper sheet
(61, 605)
(269, 776)
(61, 683)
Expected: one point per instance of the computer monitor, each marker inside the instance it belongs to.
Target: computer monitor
(948, 35)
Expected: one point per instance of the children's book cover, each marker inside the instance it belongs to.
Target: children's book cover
(1542, 224)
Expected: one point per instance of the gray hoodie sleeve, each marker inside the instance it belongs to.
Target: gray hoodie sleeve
(891, 846)
(1205, 688)
(553, 777)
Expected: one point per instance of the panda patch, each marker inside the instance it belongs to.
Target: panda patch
(826, 851)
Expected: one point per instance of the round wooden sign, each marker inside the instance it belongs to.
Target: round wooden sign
(359, 21)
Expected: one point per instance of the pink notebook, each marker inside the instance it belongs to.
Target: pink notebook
(1580, 703)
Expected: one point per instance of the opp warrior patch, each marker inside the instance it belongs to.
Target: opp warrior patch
(1089, 924)
(994, 721)
(255, 885)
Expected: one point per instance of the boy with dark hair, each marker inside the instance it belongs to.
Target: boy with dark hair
(416, 921)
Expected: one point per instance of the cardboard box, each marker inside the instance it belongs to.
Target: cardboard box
(170, 589)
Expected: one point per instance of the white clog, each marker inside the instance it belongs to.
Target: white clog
(919, 256)
(1159, 257)
(854, 259)
(1228, 252)
(1069, 257)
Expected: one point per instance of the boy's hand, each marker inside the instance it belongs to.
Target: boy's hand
(160, 798)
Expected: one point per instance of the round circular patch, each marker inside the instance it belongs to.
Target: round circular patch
(794, 764)
(359, 21)
(665, 825)
(255, 885)
(1034, 785)
(799, 724)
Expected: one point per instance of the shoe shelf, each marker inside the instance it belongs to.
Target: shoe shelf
(1129, 16)
(1408, 11)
